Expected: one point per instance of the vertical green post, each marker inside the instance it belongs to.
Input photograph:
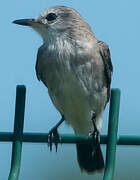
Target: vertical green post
(18, 132)
(112, 134)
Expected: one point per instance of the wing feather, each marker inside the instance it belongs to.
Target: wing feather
(37, 67)
(108, 67)
(39, 64)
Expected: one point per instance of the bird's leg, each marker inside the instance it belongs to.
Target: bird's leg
(53, 134)
(95, 134)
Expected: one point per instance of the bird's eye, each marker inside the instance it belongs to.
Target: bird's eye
(51, 16)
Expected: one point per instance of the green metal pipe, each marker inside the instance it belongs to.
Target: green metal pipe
(68, 138)
(18, 131)
(128, 140)
(112, 134)
(16, 159)
(111, 140)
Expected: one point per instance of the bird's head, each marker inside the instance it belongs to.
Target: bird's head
(59, 21)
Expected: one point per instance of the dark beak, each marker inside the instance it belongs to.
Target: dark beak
(25, 22)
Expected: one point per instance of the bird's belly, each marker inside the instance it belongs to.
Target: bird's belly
(73, 101)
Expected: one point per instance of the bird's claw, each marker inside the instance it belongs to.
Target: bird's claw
(53, 136)
(96, 137)
(95, 134)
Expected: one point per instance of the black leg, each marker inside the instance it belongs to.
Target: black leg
(95, 134)
(53, 134)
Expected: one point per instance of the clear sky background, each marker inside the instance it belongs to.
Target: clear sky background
(115, 22)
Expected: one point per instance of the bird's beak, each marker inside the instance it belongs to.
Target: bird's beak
(26, 22)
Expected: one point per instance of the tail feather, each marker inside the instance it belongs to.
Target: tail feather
(89, 157)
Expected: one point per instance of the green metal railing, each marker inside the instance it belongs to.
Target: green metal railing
(18, 137)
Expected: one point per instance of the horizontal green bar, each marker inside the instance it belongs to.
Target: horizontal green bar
(68, 138)
(128, 140)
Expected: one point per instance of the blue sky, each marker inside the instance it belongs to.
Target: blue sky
(116, 23)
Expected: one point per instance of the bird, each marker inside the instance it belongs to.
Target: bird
(76, 68)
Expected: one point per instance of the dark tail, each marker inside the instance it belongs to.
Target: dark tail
(89, 157)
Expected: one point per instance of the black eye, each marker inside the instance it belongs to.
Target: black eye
(51, 16)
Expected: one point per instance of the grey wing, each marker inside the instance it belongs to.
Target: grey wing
(39, 64)
(108, 67)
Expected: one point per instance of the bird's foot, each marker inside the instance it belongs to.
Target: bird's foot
(54, 136)
(95, 134)
(96, 137)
